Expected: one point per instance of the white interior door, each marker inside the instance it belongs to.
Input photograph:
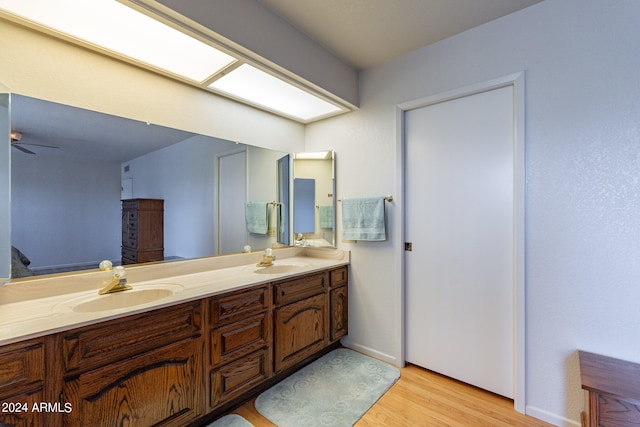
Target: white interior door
(232, 230)
(459, 187)
(126, 189)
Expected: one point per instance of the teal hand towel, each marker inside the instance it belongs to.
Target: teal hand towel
(325, 214)
(256, 217)
(363, 219)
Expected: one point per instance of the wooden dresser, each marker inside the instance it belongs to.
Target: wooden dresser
(614, 390)
(142, 230)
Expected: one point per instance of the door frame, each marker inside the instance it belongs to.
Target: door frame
(218, 210)
(517, 81)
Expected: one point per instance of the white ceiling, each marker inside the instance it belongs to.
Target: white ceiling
(362, 33)
(366, 33)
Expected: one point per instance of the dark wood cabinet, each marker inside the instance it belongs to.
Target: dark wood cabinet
(300, 330)
(614, 390)
(339, 303)
(142, 230)
(241, 343)
(161, 386)
(140, 370)
(174, 365)
(310, 313)
(22, 383)
(339, 313)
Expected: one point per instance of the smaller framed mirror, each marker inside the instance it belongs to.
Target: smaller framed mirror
(314, 203)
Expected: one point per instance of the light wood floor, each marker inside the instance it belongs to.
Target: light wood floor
(423, 398)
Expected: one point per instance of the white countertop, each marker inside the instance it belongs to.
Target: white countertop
(41, 306)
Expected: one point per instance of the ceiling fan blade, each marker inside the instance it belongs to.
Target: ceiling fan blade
(24, 150)
(38, 145)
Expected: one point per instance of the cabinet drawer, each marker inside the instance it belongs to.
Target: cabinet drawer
(130, 254)
(21, 366)
(240, 338)
(150, 256)
(238, 377)
(615, 411)
(239, 305)
(289, 291)
(129, 242)
(98, 345)
(339, 277)
(130, 204)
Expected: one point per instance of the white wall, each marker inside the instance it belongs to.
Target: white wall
(184, 175)
(65, 211)
(582, 183)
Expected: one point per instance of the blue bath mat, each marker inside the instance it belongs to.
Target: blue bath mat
(231, 420)
(335, 390)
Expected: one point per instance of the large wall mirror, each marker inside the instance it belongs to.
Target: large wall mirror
(71, 167)
(314, 199)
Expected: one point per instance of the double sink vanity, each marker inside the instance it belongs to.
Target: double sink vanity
(190, 340)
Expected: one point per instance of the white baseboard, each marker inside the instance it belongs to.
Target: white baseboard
(370, 352)
(555, 419)
(61, 268)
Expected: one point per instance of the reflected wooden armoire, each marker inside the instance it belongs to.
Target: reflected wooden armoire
(142, 230)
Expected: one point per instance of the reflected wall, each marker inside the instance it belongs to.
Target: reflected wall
(66, 212)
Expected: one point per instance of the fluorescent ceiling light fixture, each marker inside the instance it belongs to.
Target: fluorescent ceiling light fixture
(259, 88)
(116, 27)
(314, 155)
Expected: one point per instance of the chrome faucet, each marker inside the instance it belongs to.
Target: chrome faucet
(267, 258)
(118, 282)
(300, 240)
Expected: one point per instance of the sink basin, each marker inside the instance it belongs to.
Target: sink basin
(280, 268)
(123, 299)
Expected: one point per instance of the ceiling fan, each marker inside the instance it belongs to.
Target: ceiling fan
(15, 143)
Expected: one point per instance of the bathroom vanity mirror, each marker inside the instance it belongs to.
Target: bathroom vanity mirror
(314, 200)
(71, 167)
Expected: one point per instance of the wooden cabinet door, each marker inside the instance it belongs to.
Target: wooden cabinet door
(300, 330)
(22, 383)
(19, 410)
(339, 312)
(160, 387)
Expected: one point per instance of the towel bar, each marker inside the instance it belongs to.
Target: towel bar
(387, 198)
